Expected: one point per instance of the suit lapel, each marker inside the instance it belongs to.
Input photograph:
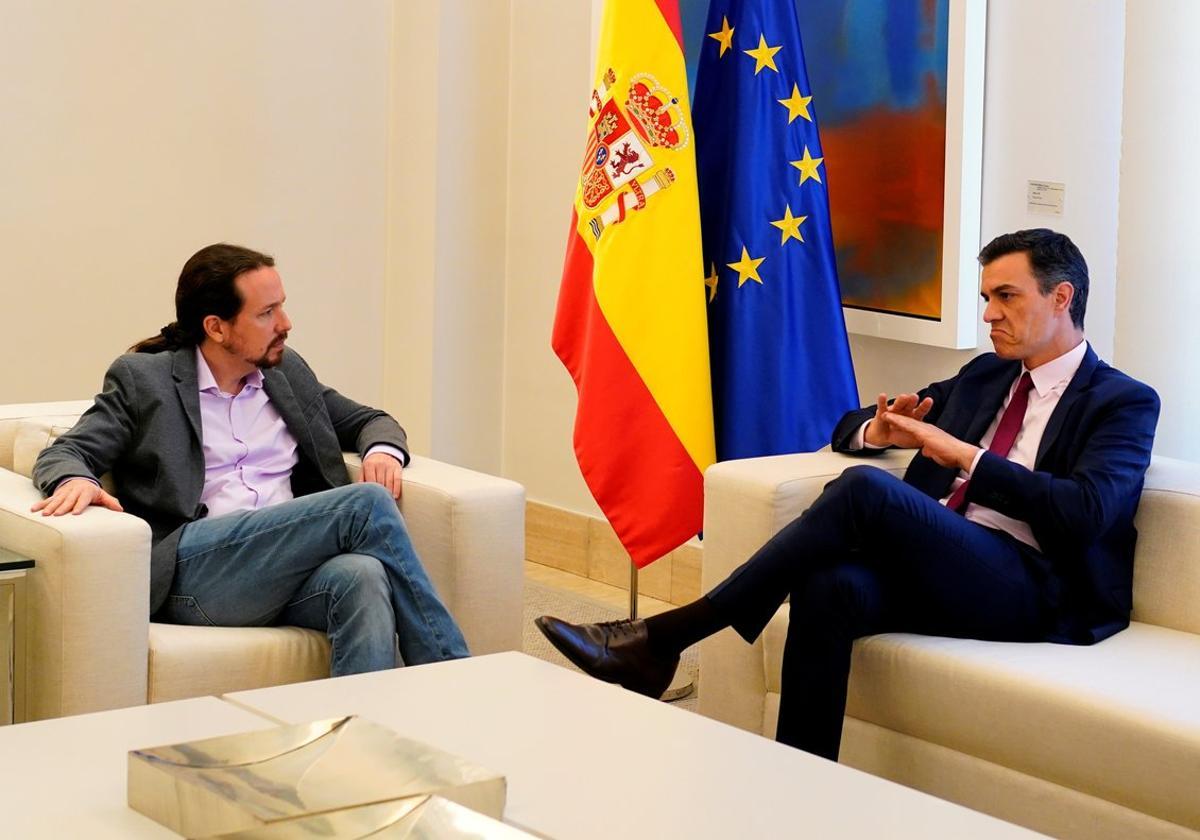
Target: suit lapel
(183, 370)
(283, 398)
(1078, 384)
(982, 397)
(973, 405)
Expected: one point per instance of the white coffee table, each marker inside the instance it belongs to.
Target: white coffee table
(590, 760)
(65, 778)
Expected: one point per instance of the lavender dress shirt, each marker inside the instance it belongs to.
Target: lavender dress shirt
(249, 452)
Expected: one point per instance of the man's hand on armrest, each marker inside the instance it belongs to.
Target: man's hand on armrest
(384, 469)
(75, 495)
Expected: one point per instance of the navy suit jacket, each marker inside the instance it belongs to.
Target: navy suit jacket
(1081, 495)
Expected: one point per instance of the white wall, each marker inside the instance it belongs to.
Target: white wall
(412, 222)
(1157, 338)
(551, 76)
(448, 188)
(135, 132)
(365, 145)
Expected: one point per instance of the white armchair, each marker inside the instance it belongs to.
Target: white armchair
(1074, 741)
(92, 646)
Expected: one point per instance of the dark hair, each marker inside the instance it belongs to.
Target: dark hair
(206, 287)
(1053, 258)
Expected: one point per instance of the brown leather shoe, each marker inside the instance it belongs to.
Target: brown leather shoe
(613, 651)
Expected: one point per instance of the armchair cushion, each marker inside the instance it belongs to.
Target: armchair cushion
(13, 416)
(194, 661)
(1128, 702)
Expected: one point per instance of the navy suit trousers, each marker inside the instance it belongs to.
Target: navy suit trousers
(875, 555)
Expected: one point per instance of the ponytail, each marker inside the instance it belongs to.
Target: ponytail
(206, 287)
(170, 337)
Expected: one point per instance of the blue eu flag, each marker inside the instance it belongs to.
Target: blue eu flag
(782, 374)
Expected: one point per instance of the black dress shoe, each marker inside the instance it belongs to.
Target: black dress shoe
(613, 651)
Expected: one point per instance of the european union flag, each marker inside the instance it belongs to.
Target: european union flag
(782, 374)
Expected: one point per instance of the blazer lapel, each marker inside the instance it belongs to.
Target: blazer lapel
(983, 397)
(283, 398)
(183, 370)
(1078, 384)
(972, 407)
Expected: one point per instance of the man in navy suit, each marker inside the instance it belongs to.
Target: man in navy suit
(1014, 521)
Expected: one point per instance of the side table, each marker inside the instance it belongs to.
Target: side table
(13, 568)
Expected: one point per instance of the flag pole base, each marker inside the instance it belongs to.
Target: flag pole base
(681, 686)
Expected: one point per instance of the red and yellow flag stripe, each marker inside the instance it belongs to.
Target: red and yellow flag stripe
(631, 323)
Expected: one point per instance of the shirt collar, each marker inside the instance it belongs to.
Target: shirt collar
(207, 383)
(1057, 372)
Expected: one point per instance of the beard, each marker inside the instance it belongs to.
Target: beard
(273, 355)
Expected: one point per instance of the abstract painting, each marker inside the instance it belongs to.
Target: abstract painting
(897, 87)
(878, 71)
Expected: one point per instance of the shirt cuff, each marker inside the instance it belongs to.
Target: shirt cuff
(72, 478)
(859, 439)
(387, 449)
(975, 462)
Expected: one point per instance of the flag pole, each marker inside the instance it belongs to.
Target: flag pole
(681, 684)
(640, 362)
(633, 591)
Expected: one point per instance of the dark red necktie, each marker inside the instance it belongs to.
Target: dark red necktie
(1006, 433)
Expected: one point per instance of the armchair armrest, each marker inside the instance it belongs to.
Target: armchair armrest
(1166, 574)
(88, 599)
(469, 530)
(746, 502)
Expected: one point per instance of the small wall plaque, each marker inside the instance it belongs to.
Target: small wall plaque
(1045, 197)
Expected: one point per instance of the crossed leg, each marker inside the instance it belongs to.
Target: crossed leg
(247, 568)
(874, 554)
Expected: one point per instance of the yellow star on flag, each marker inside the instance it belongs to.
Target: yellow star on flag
(789, 225)
(763, 55)
(797, 105)
(711, 282)
(808, 167)
(747, 268)
(724, 37)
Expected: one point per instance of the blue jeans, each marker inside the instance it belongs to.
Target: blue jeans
(339, 561)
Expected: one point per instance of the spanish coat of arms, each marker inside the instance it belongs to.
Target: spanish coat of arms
(618, 158)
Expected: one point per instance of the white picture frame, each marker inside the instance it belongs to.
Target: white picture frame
(958, 326)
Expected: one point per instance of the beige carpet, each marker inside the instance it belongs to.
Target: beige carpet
(578, 609)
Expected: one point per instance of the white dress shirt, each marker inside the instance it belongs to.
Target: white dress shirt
(1050, 380)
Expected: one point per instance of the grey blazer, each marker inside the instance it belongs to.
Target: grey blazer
(145, 429)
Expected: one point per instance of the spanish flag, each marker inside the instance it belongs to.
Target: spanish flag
(631, 324)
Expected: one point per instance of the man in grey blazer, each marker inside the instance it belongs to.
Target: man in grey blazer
(225, 442)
